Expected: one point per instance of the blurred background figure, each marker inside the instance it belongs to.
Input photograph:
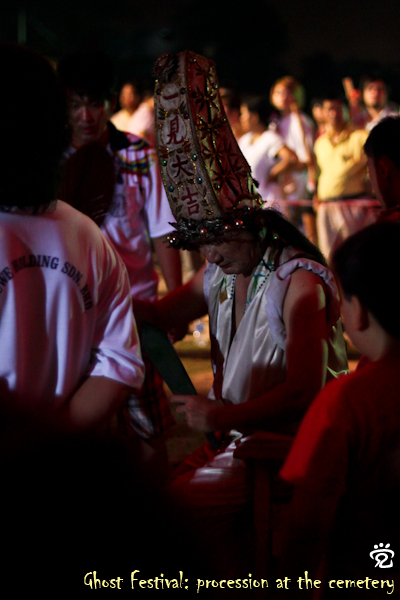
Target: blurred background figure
(318, 116)
(129, 99)
(383, 157)
(265, 150)
(370, 103)
(231, 101)
(142, 121)
(297, 129)
(342, 168)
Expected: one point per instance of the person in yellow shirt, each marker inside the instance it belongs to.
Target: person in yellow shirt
(342, 167)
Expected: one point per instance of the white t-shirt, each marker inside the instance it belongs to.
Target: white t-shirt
(261, 156)
(121, 120)
(65, 307)
(142, 123)
(291, 131)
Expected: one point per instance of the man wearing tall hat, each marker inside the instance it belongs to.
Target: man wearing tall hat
(272, 303)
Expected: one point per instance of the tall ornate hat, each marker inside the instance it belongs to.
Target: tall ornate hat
(206, 177)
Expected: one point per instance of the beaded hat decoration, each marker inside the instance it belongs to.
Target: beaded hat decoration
(206, 177)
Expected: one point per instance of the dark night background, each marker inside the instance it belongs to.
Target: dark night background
(253, 43)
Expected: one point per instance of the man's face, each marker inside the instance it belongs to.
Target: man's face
(282, 97)
(374, 94)
(248, 120)
(88, 119)
(317, 114)
(238, 256)
(332, 111)
(129, 98)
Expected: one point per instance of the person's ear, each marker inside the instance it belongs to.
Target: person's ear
(383, 168)
(360, 314)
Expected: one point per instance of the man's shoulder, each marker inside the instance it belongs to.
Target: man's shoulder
(270, 136)
(121, 141)
(245, 139)
(363, 386)
(360, 135)
(75, 218)
(137, 143)
(292, 118)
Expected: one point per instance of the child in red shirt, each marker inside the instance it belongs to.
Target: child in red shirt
(345, 460)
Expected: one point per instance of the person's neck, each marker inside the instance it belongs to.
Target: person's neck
(389, 349)
(374, 112)
(257, 132)
(335, 130)
(380, 344)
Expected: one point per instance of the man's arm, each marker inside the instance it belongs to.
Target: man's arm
(170, 263)
(177, 309)
(287, 162)
(304, 315)
(93, 404)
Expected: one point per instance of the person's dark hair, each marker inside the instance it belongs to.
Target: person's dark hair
(32, 129)
(317, 101)
(332, 96)
(231, 98)
(371, 78)
(88, 74)
(132, 82)
(261, 106)
(365, 266)
(383, 140)
(275, 229)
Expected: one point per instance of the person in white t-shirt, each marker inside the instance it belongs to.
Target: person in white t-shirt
(141, 122)
(265, 150)
(297, 129)
(129, 100)
(70, 350)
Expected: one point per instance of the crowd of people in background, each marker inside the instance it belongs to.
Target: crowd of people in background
(311, 167)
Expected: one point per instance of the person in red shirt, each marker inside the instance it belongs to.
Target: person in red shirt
(344, 463)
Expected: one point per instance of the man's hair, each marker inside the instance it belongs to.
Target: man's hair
(317, 101)
(261, 106)
(332, 96)
(88, 74)
(366, 266)
(231, 98)
(383, 140)
(371, 78)
(32, 129)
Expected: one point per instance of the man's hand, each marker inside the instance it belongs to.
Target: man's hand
(198, 410)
